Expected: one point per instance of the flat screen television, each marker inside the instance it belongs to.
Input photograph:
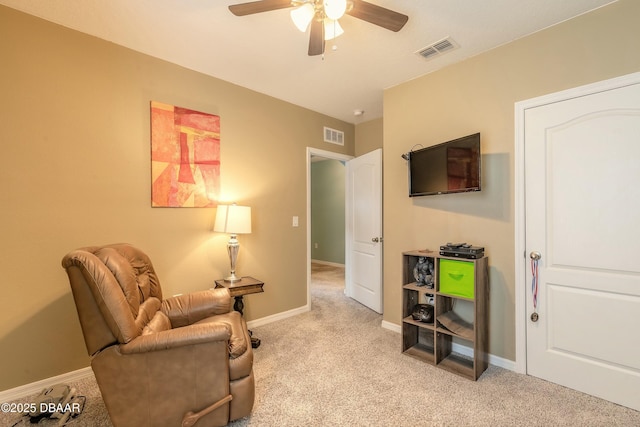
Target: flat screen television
(450, 167)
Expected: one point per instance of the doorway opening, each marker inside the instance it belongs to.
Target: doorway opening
(326, 218)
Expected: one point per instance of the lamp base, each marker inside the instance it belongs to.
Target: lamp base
(232, 248)
(233, 278)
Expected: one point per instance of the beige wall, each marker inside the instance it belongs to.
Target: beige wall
(369, 136)
(478, 95)
(76, 171)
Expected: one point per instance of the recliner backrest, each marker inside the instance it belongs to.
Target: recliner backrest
(125, 290)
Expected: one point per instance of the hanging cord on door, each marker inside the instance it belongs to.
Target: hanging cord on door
(535, 257)
(534, 282)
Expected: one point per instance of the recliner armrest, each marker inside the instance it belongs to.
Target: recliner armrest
(183, 310)
(172, 338)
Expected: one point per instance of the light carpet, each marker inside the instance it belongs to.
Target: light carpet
(336, 366)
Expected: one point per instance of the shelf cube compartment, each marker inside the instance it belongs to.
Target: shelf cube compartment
(452, 320)
(419, 343)
(451, 361)
(456, 278)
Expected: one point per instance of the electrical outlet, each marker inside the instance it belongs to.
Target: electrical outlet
(315, 246)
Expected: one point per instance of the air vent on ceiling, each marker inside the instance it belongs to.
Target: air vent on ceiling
(333, 136)
(437, 48)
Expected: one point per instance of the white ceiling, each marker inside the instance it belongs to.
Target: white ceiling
(266, 53)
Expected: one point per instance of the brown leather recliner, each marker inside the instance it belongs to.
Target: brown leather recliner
(179, 361)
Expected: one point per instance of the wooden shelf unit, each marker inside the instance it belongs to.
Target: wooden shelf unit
(433, 342)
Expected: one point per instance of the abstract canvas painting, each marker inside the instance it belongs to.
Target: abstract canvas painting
(185, 157)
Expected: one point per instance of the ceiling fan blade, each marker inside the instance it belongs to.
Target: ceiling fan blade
(378, 15)
(316, 38)
(250, 8)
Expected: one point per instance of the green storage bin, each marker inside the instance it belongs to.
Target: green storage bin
(456, 278)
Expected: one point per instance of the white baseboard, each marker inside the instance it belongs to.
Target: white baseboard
(278, 316)
(391, 326)
(493, 359)
(462, 349)
(334, 264)
(38, 386)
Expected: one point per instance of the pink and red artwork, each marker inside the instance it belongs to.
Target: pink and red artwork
(185, 157)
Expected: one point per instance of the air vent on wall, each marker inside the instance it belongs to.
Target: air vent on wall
(333, 136)
(437, 48)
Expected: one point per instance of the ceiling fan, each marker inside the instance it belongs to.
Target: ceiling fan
(323, 16)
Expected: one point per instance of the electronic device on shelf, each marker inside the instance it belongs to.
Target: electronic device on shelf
(450, 167)
(462, 250)
(423, 313)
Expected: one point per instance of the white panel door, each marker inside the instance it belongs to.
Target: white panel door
(582, 179)
(364, 229)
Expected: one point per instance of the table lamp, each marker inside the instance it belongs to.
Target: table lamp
(234, 220)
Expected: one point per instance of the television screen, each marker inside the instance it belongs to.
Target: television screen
(450, 167)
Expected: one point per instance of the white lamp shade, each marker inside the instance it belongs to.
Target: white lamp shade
(335, 9)
(332, 29)
(302, 16)
(233, 219)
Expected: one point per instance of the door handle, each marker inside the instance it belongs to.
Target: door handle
(376, 239)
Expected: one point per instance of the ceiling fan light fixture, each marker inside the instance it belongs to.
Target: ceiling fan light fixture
(335, 9)
(302, 16)
(318, 17)
(332, 29)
